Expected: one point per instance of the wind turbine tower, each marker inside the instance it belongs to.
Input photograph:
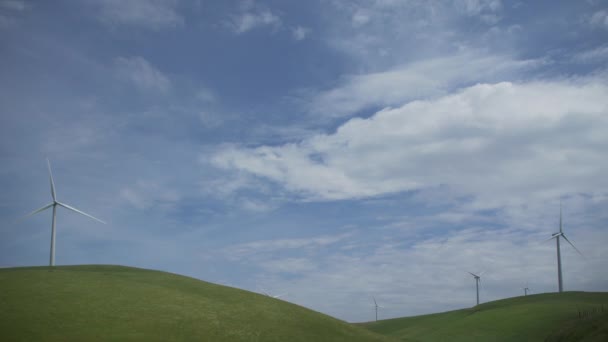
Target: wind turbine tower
(477, 279)
(557, 236)
(54, 205)
(376, 306)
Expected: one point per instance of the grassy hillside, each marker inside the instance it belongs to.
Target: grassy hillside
(89, 303)
(550, 316)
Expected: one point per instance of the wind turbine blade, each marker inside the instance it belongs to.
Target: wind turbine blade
(551, 238)
(80, 212)
(48, 163)
(560, 216)
(376, 304)
(579, 252)
(474, 275)
(37, 211)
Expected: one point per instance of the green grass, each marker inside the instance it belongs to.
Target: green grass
(114, 303)
(550, 316)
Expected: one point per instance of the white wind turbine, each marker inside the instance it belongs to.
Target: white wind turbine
(377, 306)
(556, 236)
(477, 279)
(54, 204)
(266, 293)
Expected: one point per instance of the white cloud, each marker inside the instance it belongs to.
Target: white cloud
(415, 80)
(300, 32)
(599, 54)
(248, 21)
(500, 142)
(600, 19)
(249, 249)
(149, 14)
(363, 28)
(477, 7)
(415, 276)
(140, 72)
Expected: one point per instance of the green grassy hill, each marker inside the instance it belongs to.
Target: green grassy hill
(114, 303)
(542, 317)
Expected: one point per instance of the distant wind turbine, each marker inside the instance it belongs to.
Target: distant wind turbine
(556, 236)
(477, 279)
(274, 296)
(54, 204)
(526, 289)
(377, 306)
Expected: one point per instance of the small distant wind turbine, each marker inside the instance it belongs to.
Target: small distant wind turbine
(377, 306)
(274, 296)
(54, 205)
(526, 289)
(477, 279)
(556, 236)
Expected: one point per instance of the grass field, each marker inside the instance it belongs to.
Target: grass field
(114, 303)
(542, 317)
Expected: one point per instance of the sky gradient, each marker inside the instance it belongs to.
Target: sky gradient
(331, 150)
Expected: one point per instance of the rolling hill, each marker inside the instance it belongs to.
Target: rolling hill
(115, 303)
(569, 316)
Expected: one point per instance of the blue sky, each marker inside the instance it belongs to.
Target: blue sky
(334, 150)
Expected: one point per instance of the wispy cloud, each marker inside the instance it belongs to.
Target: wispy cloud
(598, 54)
(300, 32)
(147, 14)
(248, 249)
(599, 19)
(11, 11)
(249, 20)
(13, 5)
(416, 80)
(431, 274)
(142, 74)
(146, 194)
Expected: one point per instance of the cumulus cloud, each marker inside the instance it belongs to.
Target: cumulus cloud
(141, 73)
(148, 14)
(495, 141)
(415, 80)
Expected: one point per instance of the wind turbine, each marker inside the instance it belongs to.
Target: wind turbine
(477, 279)
(556, 236)
(377, 306)
(526, 289)
(54, 205)
(274, 296)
